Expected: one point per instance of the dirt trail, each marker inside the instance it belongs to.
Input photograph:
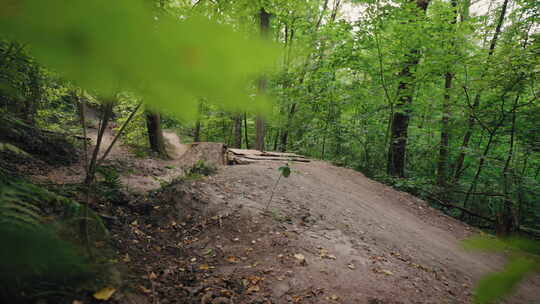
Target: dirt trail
(138, 174)
(362, 241)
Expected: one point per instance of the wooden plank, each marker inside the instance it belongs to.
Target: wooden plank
(297, 159)
(245, 151)
(263, 153)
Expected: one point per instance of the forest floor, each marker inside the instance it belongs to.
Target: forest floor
(330, 235)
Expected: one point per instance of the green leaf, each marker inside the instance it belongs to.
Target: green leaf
(285, 171)
(485, 243)
(497, 285)
(493, 244)
(110, 46)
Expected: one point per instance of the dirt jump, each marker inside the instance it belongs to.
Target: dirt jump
(328, 235)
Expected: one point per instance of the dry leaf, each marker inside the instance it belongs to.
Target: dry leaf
(144, 289)
(152, 276)
(387, 272)
(204, 267)
(301, 258)
(105, 293)
(351, 266)
(253, 288)
(232, 259)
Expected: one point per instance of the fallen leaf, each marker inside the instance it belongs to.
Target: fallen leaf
(333, 297)
(232, 259)
(105, 293)
(301, 258)
(253, 288)
(351, 266)
(152, 276)
(255, 279)
(204, 267)
(387, 272)
(144, 289)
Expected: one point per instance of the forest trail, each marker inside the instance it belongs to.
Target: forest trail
(362, 240)
(331, 235)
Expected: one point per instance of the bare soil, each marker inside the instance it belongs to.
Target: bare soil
(362, 241)
(329, 235)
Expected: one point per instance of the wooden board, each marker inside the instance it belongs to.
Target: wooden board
(263, 153)
(244, 156)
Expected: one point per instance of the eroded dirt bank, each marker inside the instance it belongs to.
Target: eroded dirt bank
(330, 236)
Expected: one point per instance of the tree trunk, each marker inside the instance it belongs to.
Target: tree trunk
(400, 118)
(155, 134)
(444, 149)
(197, 132)
(264, 17)
(276, 140)
(285, 134)
(507, 222)
(246, 130)
(31, 102)
(259, 133)
(237, 143)
(471, 121)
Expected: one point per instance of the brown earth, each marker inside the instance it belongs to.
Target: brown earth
(362, 241)
(330, 235)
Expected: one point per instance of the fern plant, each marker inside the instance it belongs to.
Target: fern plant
(33, 258)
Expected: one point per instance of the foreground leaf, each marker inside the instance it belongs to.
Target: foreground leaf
(497, 285)
(105, 293)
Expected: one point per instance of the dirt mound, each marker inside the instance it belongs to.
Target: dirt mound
(209, 152)
(174, 147)
(50, 147)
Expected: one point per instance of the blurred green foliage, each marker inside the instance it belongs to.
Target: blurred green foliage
(109, 46)
(524, 259)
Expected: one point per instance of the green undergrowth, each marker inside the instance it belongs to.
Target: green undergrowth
(41, 255)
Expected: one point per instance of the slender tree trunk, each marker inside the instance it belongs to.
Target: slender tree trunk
(259, 133)
(197, 132)
(246, 131)
(276, 140)
(444, 149)
(32, 101)
(400, 118)
(471, 121)
(508, 223)
(237, 131)
(285, 134)
(155, 134)
(264, 18)
(474, 182)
